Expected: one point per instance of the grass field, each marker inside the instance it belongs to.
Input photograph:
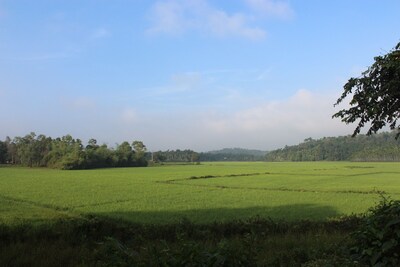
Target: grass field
(201, 193)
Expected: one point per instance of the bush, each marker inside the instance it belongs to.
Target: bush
(378, 238)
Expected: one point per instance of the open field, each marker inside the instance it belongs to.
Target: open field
(202, 193)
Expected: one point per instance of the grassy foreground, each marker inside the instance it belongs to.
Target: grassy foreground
(95, 241)
(201, 193)
(213, 214)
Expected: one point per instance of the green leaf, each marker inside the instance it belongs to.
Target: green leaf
(388, 245)
(393, 222)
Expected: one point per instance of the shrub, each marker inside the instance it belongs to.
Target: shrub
(378, 238)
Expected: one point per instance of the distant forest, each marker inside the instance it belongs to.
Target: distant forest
(226, 154)
(69, 153)
(377, 147)
(233, 154)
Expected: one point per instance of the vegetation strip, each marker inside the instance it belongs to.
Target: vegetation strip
(57, 208)
(285, 189)
(140, 194)
(99, 241)
(47, 206)
(282, 189)
(103, 203)
(272, 173)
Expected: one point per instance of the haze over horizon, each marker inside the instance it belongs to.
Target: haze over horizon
(186, 74)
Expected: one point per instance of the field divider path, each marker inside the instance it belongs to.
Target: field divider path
(181, 181)
(68, 210)
(103, 203)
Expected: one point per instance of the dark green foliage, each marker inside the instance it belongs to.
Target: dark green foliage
(94, 241)
(377, 241)
(69, 154)
(31, 150)
(233, 154)
(186, 155)
(65, 153)
(380, 147)
(226, 154)
(3, 152)
(11, 151)
(376, 95)
(123, 154)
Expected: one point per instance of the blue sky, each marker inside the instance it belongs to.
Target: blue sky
(191, 74)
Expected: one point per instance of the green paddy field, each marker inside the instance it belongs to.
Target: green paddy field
(201, 193)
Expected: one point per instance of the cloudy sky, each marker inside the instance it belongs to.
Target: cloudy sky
(197, 74)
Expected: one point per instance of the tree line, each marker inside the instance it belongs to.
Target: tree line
(233, 154)
(69, 153)
(226, 154)
(379, 147)
(178, 155)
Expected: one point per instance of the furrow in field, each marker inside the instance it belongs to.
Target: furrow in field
(272, 173)
(18, 200)
(181, 181)
(56, 209)
(282, 189)
(103, 203)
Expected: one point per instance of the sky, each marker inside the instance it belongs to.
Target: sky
(186, 74)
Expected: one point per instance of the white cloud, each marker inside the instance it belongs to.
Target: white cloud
(129, 116)
(264, 125)
(167, 17)
(271, 8)
(265, 74)
(42, 56)
(178, 16)
(269, 125)
(80, 103)
(3, 13)
(100, 33)
(275, 123)
(222, 24)
(179, 83)
(186, 81)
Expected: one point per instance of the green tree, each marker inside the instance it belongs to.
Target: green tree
(3, 152)
(123, 155)
(27, 151)
(66, 153)
(139, 153)
(92, 144)
(159, 156)
(139, 148)
(375, 95)
(11, 151)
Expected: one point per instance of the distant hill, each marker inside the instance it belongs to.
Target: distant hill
(226, 154)
(378, 147)
(233, 154)
(239, 151)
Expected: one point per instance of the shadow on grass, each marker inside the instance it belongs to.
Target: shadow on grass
(167, 225)
(234, 235)
(295, 212)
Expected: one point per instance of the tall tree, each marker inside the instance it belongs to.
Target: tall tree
(139, 148)
(66, 153)
(3, 152)
(69, 153)
(11, 151)
(139, 153)
(27, 150)
(124, 155)
(376, 95)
